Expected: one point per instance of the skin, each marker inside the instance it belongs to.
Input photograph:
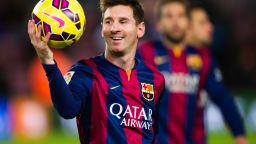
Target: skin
(200, 29)
(121, 34)
(173, 24)
(119, 30)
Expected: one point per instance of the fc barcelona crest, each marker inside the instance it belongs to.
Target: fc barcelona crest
(194, 61)
(147, 91)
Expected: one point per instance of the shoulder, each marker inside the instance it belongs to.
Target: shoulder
(145, 43)
(204, 53)
(84, 65)
(149, 68)
(148, 44)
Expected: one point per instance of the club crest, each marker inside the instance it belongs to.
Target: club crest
(147, 91)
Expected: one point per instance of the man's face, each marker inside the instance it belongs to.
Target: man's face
(201, 28)
(120, 31)
(173, 22)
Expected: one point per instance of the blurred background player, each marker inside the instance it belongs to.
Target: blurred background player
(187, 71)
(113, 96)
(200, 28)
(200, 35)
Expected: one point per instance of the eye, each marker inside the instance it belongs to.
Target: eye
(124, 21)
(107, 21)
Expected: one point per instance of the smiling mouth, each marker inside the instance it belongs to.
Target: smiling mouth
(116, 38)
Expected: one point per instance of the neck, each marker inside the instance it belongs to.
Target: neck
(170, 44)
(193, 41)
(125, 62)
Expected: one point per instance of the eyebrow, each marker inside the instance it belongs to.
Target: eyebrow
(121, 18)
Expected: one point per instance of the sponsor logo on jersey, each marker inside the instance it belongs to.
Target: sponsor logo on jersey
(132, 116)
(68, 76)
(194, 61)
(181, 82)
(147, 91)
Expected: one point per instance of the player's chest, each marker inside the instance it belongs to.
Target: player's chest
(185, 63)
(134, 89)
(182, 74)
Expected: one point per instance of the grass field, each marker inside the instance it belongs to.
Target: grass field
(62, 138)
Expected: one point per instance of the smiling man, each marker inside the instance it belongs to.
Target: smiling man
(113, 96)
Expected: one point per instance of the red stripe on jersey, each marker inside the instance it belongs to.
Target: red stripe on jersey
(147, 53)
(178, 102)
(131, 92)
(99, 114)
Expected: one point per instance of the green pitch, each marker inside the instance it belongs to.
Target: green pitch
(62, 138)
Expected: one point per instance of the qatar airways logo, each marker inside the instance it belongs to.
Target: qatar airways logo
(132, 116)
(181, 82)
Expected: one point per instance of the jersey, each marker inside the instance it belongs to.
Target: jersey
(117, 106)
(187, 72)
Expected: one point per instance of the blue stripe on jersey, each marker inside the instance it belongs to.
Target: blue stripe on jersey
(161, 51)
(147, 134)
(191, 103)
(113, 128)
(85, 115)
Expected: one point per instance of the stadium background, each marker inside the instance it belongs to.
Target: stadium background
(26, 113)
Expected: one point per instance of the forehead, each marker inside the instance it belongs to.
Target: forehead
(173, 7)
(119, 11)
(199, 14)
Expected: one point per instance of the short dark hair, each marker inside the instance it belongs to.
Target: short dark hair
(161, 3)
(195, 6)
(136, 6)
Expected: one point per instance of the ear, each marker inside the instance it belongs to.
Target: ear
(101, 29)
(141, 29)
(158, 27)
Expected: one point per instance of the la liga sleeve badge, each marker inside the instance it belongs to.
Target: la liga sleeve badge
(68, 76)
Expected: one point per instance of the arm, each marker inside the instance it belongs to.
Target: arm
(65, 98)
(221, 97)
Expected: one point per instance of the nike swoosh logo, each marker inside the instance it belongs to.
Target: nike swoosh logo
(60, 21)
(114, 87)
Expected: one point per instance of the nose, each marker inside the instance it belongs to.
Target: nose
(115, 27)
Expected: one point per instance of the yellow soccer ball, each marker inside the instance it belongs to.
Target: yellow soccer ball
(64, 19)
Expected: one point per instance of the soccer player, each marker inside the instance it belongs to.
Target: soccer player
(200, 28)
(187, 71)
(199, 35)
(113, 96)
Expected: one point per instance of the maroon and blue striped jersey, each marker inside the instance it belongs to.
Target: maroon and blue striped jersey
(111, 105)
(187, 71)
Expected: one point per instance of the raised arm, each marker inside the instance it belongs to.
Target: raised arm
(66, 99)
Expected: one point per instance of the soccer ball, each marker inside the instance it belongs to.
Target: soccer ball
(64, 19)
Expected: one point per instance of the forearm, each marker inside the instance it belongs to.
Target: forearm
(66, 103)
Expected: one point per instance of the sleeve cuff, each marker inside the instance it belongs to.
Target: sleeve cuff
(50, 67)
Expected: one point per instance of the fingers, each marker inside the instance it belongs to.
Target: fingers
(47, 38)
(35, 36)
(31, 31)
(38, 33)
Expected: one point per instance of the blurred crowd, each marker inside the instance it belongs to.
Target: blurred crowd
(234, 44)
